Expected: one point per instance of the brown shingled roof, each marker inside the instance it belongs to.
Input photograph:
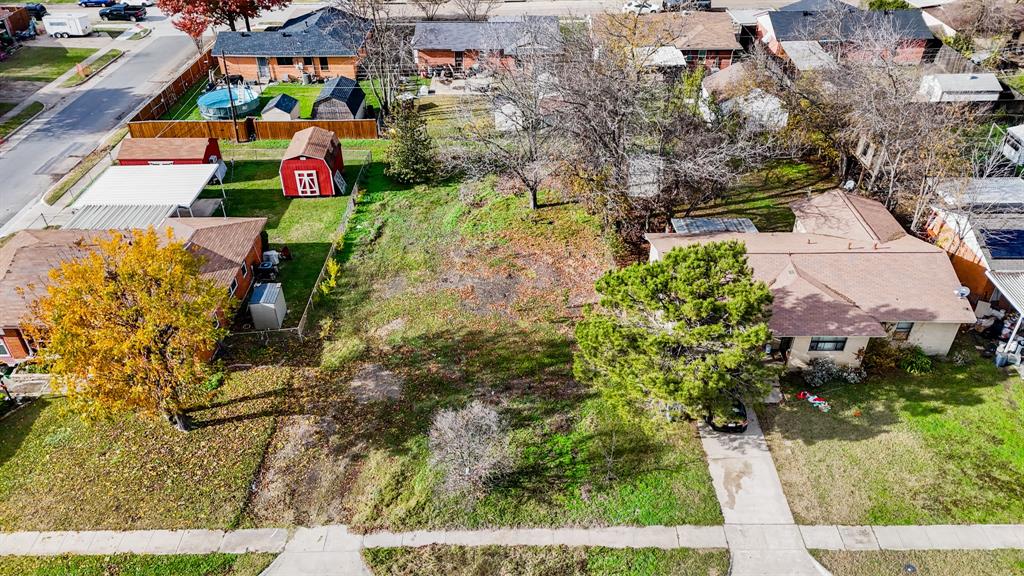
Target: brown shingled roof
(25, 263)
(697, 30)
(836, 213)
(313, 142)
(163, 148)
(222, 242)
(832, 286)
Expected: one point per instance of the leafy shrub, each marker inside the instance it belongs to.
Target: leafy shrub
(962, 43)
(962, 358)
(822, 371)
(470, 447)
(881, 356)
(915, 361)
(215, 381)
(412, 156)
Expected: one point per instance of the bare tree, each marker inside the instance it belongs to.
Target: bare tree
(387, 50)
(429, 8)
(475, 9)
(470, 447)
(516, 135)
(986, 17)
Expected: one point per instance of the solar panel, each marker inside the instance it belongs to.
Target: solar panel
(1004, 244)
(699, 226)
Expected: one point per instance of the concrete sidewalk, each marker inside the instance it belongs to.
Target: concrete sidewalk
(337, 538)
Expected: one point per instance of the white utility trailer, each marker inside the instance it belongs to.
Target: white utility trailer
(67, 25)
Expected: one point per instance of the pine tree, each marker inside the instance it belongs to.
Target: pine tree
(687, 330)
(412, 153)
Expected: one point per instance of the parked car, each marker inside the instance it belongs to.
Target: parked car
(736, 423)
(642, 6)
(87, 3)
(35, 10)
(678, 5)
(123, 12)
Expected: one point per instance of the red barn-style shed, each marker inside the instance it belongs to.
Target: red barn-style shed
(312, 164)
(143, 151)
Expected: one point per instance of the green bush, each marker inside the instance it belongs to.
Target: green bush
(962, 43)
(411, 155)
(881, 356)
(915, 361)
(215, 381)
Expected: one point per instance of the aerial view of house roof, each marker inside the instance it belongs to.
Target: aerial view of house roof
(685, 30)
(223, 243)
(798, 25)
(324, 32)
(26, 260)
(847, 274)
(511, 35)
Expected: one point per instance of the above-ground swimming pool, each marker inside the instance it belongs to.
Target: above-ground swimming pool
(216, 105)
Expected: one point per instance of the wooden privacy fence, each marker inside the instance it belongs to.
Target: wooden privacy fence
(165, 100)
(249, 129)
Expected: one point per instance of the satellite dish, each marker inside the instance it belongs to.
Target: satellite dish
(963, 292)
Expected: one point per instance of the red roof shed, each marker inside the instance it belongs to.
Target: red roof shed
(312, 164)
(143, 151)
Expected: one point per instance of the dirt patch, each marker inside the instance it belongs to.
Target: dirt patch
(18, 90)
(313, 456)
(374, 383)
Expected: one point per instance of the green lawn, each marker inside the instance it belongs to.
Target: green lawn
(306, 225)
(6, 107)
(42, 64)
(544, 561)
(945, 447)
(765, 196)
(58, 472)
(462, 295)
(8, 126)
(129, 565)
(446, 114)
(928, 563)
(304, 94)
(1016, 82)
(185, 108)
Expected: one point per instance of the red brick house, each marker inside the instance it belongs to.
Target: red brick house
(324, 43)
(230, 248)
(143, 151)
(313, 165)
(498, 41)
(708, 39)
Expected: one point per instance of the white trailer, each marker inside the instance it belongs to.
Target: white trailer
(67, 25)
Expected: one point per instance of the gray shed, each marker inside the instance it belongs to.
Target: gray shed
(267, 307)
(281, 107)
(340, 99)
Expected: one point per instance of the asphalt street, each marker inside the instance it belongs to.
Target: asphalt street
(29, 168)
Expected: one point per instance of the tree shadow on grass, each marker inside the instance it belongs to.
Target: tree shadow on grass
(16, 427)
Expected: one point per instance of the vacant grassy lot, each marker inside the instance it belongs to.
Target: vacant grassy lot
(60, 473)
(765, 196)
(128, 565)
(446, 114)
(445, 296)
(42, 64)
(944, 447)
(306, 225)
(12, 124)
(928, 563)
(544, 561)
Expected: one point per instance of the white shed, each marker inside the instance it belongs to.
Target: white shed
(1013, 144)
(983, 87)
(267, 307)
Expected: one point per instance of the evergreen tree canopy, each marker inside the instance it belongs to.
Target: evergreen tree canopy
(411, 154)
(687, 330)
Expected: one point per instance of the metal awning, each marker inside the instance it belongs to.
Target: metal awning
(175, 185)
(1011, 286)
(119, 217)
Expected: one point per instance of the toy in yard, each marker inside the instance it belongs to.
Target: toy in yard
(816, 401)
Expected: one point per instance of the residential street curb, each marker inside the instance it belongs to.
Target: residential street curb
(100, 69)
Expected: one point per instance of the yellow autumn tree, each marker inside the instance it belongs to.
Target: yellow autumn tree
(126, 328)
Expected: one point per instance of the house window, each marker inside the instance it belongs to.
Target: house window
(245, 269)
(307, 61)
(233, 287)
(306, 182)
(325, 64)
(827, 344)
(901, 331)
(3, 348)
(702, 56)
(284, 61)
